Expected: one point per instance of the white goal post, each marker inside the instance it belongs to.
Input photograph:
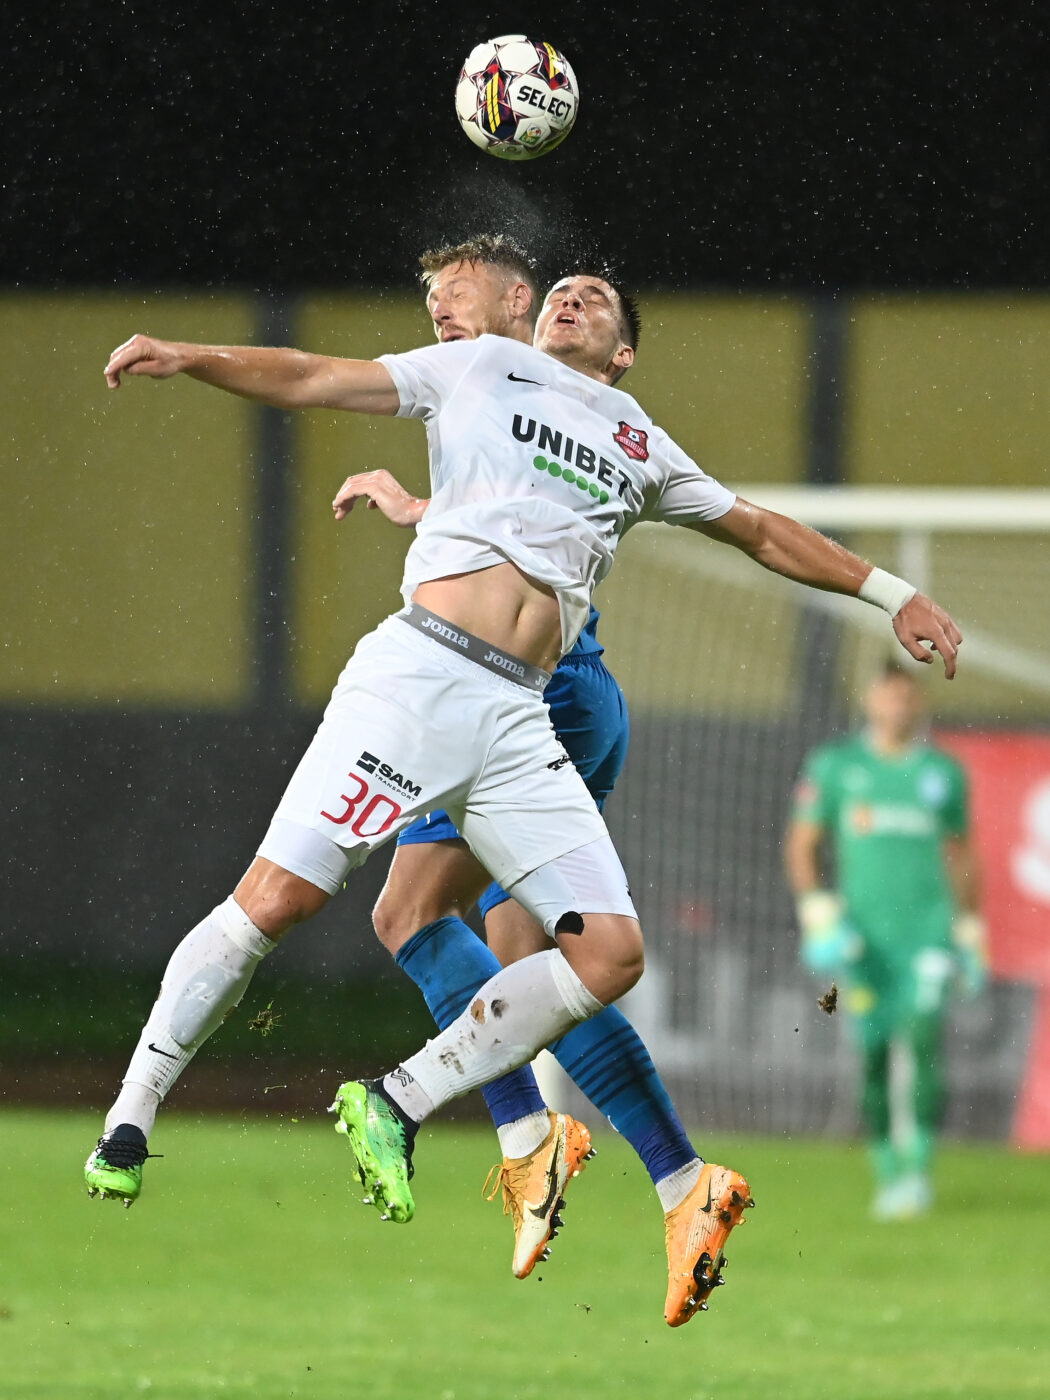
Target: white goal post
(914, 517)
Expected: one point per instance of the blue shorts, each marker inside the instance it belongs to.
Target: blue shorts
(589, 715)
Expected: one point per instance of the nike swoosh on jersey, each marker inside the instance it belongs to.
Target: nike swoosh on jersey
(519, 379)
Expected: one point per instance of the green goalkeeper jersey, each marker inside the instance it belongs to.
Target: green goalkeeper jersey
(887, 819)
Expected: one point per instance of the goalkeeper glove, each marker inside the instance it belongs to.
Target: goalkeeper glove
(828, 942)
(971, 954)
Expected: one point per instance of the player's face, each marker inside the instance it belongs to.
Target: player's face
(580, 323)
(894, 707)
(467, 299)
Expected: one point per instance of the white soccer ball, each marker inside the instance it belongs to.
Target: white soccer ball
(516, 97)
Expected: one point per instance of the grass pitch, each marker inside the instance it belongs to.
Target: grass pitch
(248, 1269)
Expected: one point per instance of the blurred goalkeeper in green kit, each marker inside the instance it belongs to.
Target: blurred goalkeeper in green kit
(900, 928)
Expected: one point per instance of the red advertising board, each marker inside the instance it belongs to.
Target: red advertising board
(1010, 804)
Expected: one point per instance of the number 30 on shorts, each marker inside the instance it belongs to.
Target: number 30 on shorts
(379, 809)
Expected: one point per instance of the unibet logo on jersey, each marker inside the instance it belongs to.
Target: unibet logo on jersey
(585, 462)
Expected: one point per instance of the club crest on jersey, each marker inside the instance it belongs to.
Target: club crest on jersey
(634, 442)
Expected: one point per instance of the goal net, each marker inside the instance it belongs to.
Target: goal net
(732, 674)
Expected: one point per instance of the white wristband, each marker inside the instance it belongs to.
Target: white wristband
(886, 591)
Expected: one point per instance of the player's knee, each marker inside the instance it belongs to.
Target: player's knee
(628, 968)
(276, 900)
(611, 961)
(614, 978)
(392, 926)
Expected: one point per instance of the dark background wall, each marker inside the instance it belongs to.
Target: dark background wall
(804, 144)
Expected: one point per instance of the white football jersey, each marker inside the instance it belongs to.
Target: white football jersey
(538, 464)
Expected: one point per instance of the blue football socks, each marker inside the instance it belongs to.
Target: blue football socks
(607, 1059)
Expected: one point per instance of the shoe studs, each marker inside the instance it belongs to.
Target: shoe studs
(100, 1193)
(368, 1200)
(588, 1156)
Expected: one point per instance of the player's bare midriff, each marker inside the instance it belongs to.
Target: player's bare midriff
(502, 606)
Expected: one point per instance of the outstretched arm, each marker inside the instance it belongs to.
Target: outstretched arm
(281, 377)
(788, 547)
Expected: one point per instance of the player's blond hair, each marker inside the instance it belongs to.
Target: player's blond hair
(494, 250)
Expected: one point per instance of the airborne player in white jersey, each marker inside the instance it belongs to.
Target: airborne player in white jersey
(448, 694)
(488, 284)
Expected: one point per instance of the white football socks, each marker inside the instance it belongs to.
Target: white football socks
(208, 974)
(524, 1135)
(516, 1013)
(673, 1189)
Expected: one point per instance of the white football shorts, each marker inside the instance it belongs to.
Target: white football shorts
(414, 725)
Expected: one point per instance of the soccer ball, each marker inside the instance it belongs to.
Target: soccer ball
(516, 97)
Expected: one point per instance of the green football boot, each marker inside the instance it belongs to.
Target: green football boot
(114, 1170)
(381, 1146)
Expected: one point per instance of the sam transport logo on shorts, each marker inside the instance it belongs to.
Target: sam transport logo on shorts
(383, 771)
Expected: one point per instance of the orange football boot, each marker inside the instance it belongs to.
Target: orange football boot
(696, 1233)
(534, 1188)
